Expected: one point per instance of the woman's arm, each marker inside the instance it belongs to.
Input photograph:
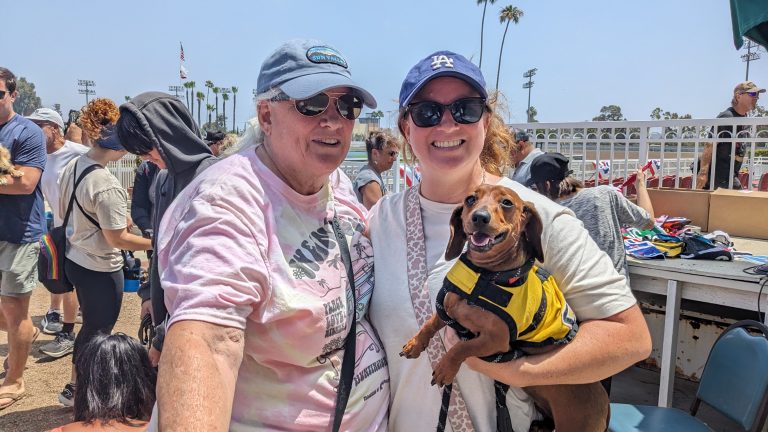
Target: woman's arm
(198, 371)
(585, 359)
(643, 199)
(371, 193)
(122, 239)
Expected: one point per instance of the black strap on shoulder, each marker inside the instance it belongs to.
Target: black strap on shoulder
(79, 179)
(348, 361)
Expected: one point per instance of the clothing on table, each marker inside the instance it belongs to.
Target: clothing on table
(22, 218)
(103, 198)
(49, 182)
(591, 286)
(523, 169)
(604, 211)
(100, 295)
(287, 291)
(143, 196)
(365, 176)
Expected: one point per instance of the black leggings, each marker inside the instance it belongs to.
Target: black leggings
(100, 295)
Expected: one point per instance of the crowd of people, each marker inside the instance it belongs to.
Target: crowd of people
(262, 292)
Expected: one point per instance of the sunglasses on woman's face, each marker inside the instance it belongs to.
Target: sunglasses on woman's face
(348, 105)
(430, 113)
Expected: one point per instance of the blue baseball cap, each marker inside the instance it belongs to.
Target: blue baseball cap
(109, 139)
(441, 63)
(302, 68)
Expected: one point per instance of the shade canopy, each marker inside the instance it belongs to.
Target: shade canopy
(750, 19)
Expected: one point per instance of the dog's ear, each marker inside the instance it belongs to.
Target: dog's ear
(533, 228)
(458, 236)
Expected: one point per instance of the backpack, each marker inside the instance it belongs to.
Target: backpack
(53, 246)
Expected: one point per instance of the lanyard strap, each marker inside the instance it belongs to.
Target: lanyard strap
(422, 304)
(348, 361)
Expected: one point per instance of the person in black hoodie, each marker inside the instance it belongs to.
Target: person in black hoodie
(158, 127)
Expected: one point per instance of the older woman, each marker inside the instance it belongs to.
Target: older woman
(447, 119)
(261, 257)
(382, 150)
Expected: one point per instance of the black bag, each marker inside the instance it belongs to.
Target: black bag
(50, 261)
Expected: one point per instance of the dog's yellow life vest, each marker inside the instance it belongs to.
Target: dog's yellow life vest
(532, 305)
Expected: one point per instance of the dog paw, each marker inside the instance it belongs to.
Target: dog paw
(445, 372)
(413, 349)
(16, 173)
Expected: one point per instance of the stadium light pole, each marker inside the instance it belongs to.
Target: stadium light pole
(529, 74)
(87, 90)
(750, 55)
(176, 89)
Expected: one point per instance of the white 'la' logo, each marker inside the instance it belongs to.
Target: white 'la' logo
(441, 60)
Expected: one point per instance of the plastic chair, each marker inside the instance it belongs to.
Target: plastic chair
(652, 182)
(763, 185)
(734, 383)
(686, 182)
(744, 180)
(668, 181)
(589, 183)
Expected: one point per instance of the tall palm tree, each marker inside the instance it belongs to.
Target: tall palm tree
(507, 15)
(186, 92)
(208, 86)
(225, 97)
(192, 98)
(482, 27)
(234, 107)
(200, 96)
(216, 93)
(127, 98)
(209, 107)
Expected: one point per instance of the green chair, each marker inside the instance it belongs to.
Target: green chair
(734, 383)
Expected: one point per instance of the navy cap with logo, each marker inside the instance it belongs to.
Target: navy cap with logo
(548, 167)
(302, 68)
(438, 64)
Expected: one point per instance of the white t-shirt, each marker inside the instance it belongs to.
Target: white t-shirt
(586, 275)
(102, 196)
(49, 181)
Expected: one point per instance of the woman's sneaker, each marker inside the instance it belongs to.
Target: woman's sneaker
(63, 344)
(67, 396)
(51, 323)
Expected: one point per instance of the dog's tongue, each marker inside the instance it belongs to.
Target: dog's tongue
(480, 239)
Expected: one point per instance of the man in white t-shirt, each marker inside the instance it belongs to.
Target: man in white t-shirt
(60, 152)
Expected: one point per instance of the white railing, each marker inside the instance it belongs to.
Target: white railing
(125, 169)
(676, 145)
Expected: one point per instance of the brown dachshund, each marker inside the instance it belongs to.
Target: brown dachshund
(504, 236)
(6, 167)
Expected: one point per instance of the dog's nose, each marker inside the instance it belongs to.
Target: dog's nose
(481, 216)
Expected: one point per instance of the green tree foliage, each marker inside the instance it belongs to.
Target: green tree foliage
(610, 113)
(27, 100)
(532, 113)
(507, 15)
(376, 114)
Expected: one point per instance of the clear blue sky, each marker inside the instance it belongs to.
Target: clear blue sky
(677, 54)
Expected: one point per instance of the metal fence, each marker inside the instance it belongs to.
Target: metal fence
(607, 152)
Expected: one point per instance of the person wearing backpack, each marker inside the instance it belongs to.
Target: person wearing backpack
(96, 233)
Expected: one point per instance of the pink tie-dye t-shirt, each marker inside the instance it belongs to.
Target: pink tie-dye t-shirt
(239, 248)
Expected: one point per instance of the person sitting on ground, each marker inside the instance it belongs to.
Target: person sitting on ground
(602, 209)
(116, 386)
(522, 155)
(382, 151)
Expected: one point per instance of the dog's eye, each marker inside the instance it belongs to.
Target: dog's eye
(507, 203)
(470, 200)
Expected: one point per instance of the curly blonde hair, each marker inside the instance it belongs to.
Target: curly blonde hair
(99, 113)
(498, 140)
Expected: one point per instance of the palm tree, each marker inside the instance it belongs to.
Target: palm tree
(208, 86)
(216, 93)
(234, 107)
(192, 98)
(186, 91)
(225, 97)
(209, 107)
(507, 15)
(200, 96)
(127, 98)
(482, 27)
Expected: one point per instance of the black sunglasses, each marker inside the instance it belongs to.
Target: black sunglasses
(3, 93)
(348, 105)
(430, 113)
